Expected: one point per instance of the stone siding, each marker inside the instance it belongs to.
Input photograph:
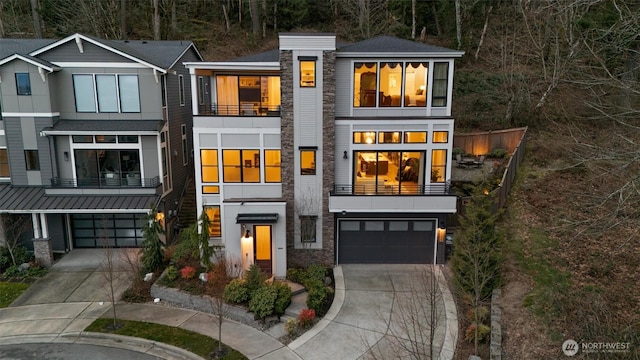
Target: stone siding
(43, 251)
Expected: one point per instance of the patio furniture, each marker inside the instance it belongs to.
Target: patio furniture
(480, 162)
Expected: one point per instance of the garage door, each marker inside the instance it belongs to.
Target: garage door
(114, 230)
(386, 241)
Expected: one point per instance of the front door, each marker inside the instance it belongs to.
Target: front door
(262, 247)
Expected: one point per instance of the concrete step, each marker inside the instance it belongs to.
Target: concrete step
(298, 302)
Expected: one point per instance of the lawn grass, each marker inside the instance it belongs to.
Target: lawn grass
(198, 344)
(10, 291)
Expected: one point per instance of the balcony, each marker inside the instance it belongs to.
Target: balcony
(246, 109)
(105, 186)
(433, 198)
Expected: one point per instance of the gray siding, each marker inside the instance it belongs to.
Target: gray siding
(150, 156)
(56, 224)
(342, 166)
(344, 95)
(150, 100)
(70, 52)
(309, 131)
(65, 168)
(23, 133)
(13, 131)
(38, 101)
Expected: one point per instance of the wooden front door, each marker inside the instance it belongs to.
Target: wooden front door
(262, 247)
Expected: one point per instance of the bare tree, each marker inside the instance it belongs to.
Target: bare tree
(156, 20)
(123, 19)
(458, 24)
(13, 227)
(306, 210)
(222, 272)
(109, 270)
(413, 19)
(37, 19)
(255, 17)
(484, 32)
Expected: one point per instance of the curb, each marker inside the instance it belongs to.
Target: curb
(451, 318)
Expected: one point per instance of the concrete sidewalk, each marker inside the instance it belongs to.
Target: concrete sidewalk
(358, 322)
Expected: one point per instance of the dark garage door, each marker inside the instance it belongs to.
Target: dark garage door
(386, 241)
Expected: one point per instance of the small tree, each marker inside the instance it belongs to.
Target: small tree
(203, 239)
(476, 258)
(217, 280)
(152, 254)
(13, 227)
(108, 270)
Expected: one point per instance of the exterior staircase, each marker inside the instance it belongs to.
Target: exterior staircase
(298, 302)
(187, 212)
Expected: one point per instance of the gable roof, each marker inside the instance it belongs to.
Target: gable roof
(32, 60)
(159, 55)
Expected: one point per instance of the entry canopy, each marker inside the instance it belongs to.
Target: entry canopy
(269, 218)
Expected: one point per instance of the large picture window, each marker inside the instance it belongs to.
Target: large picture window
(365, 84)
(438, 165)
(102, 167)
(389, 172)
(106, 93)
(241, 166)
(247, 95)
(390, 84)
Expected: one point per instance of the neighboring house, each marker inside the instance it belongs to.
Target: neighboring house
(93, 133)
(323, 153)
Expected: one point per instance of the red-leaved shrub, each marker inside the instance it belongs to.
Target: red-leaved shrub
(188, 272)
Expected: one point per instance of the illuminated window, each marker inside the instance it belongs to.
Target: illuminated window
(241, 166)
(390, 84)
(307, 162)
(211, 189)
(368, 137)
(415, 87)
(247, 95)
(365, 86)
(387, 137)
(215, 225)
(438, 165)
(412, 137)
(209, 161)
(307, 73)
(272, 172)
(4, 163)
(440, 136)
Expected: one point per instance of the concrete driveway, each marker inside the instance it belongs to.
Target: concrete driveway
(384, 312)
(81, 276)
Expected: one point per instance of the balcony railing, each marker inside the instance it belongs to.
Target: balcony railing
(382, 189)
(128, 182)
(239, 110)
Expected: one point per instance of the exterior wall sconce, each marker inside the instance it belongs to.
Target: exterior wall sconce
(345, 155)
(246, 243)
(66, 156)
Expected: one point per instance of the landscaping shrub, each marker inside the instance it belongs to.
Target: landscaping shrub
(188, 272)
(12, 271)
(21, 253)
(263, 301)
(498, 153)
(254, 279)
(291, 327)
(296, 275)
(483, 332)
(317, 295)
(305, 318)
(316, 272)
(236, 292)
(172, 273)
(456, 151)
(284, 297)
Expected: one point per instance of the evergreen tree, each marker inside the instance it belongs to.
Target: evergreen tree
(152, 254)
(203, 240)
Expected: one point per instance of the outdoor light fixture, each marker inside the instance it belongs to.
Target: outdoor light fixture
(345, 156)
(246, 244)
(66, 156)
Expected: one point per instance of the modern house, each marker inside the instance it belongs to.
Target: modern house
(320, 152)
(93, 133)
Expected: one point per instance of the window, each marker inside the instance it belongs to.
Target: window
(350, 225)
(440, 136)
(209, 160)
(163, 89)
(215, 225)
(438, 165)
(307, 73)
(106, 139)
(440, 83)
(390, 84)
(272, 173)
(388, 172)
(411, 137)
(164, 151)
(247, 95)
(368, 137)
(128, 139)
(211, 189)
(308, 229)
(365, 84)
(307, 162)
(415, 88)
(181, 89)
(386, 137)
(374, 226)
(106, 93)
(200, 90)
(398, 226)
(4, 163)
(23, 84)
(31, 158)
(79, 139)
(185, 145)
(241, 166)
(96, 167)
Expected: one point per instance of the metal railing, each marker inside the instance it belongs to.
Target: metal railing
(382, 189)
(117, 182)
(239, 110)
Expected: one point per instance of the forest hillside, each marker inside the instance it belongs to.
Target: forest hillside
(567, 69)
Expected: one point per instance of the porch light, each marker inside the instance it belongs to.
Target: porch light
(246, 244)
(160, 218)
(345, 156)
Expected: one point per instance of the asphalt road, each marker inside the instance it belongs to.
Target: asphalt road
(53, 351)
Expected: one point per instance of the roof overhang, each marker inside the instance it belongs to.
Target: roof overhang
(232, 66)
(30, 61)
(263, 218)
(78, 38)
(413, 55)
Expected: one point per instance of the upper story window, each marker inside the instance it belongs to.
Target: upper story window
(241, 166)
(308, 162)
(440, 84)
(440, 136)
(4, 163)
(209, 161)
(307, 73)
(247, 95)
(391, 84)
(411, 137)
(272, 171)
(361, 137)
(389, 137)
(23, 84)
(181, 89)
(32, 160)
(106, 93)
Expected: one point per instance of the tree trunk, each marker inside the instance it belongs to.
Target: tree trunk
(156, 19)
(37, 19)
(275, 16)
(174, 19)
(1, 24)
(239, 12)
(458, 24)
(435, 19)
(123, 19)
(255, 17)
(225, 11)
(484, 31)
(264, 19)
(413, 19)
